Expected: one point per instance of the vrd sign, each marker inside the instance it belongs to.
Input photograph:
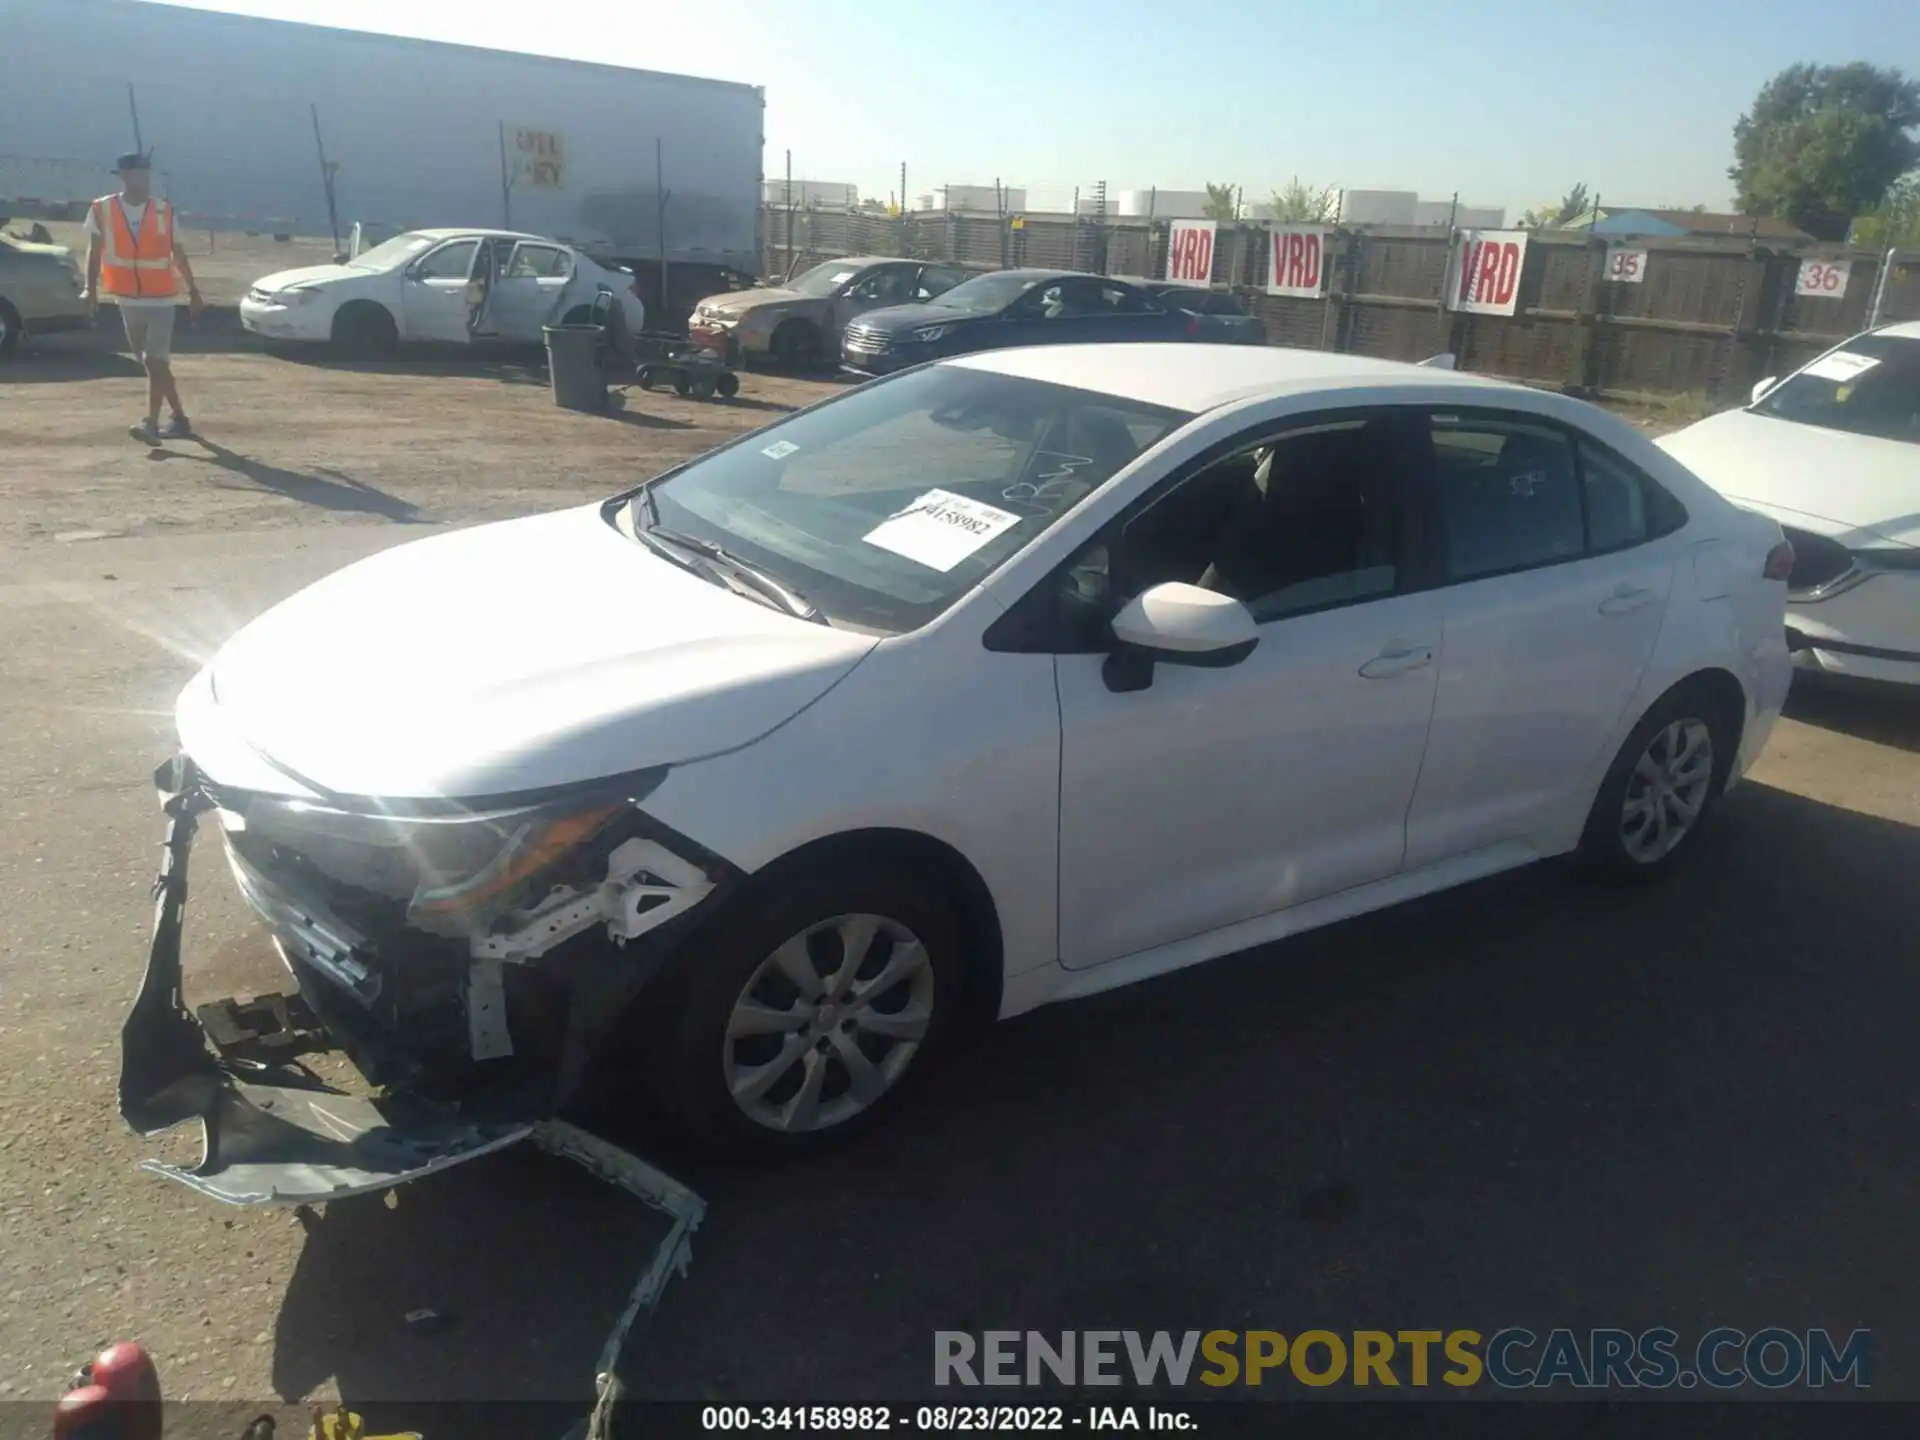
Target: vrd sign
(1483, 277)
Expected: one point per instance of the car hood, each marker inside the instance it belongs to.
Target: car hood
(511, 657)
(898, 319)
(1865, 490)
(309, 275)
(738, 302)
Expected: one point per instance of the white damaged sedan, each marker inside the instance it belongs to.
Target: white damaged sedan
(998, 682)
(1833, 453)
(447, 287)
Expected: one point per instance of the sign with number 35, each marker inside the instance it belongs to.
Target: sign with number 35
(1626, 267)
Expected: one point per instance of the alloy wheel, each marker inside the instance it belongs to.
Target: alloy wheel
(1666, 790)
(828, 1023)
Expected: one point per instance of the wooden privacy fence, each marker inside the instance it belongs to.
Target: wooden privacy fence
(1709, 316)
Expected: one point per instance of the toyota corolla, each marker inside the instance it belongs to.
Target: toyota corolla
(1003, 681)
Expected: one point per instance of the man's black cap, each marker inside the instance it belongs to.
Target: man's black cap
(132, 160)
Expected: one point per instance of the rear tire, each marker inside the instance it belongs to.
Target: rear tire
(11, 329)
(733, 1009)
(727, 386)
(795, 344)
(1662, 787)
(364, 330)
(682, 386)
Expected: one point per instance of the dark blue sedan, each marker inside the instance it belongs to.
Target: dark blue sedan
(1005, 308)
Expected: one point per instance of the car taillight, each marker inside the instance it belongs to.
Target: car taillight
(1779, 561)
(1193, 325)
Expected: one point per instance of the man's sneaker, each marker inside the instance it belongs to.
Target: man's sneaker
(146, 432)
(179, 428)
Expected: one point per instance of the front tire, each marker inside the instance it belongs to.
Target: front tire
(364, 330)
(795, 345)
(1661, 787)
(804, 1016)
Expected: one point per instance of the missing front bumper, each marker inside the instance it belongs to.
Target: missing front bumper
(457, 1084)
(264, 1143)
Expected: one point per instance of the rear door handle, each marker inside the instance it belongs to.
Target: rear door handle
(1397, 662)
(1625, 600)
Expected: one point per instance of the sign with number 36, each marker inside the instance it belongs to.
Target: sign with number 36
(1825, 278)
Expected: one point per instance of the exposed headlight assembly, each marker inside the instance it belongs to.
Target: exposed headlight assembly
(298, 295)
(461, 873)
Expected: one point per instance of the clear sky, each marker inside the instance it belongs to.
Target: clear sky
(1509, 102)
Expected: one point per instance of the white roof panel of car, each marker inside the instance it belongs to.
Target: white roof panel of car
(1193, 377)
(1905, 330)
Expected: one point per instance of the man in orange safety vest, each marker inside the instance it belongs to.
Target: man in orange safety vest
(131, 258)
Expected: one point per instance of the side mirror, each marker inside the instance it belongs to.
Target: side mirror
(1177, 624)
(1760, 390)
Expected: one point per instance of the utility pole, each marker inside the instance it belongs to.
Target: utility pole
(506, 183)
(326, 179)
(903, 207)
(789, 269)
(660, 189)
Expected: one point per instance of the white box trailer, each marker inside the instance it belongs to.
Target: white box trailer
(235, 111)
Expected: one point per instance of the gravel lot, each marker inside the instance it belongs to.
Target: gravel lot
(1532, 1102)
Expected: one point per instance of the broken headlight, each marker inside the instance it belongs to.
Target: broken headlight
(454, 873)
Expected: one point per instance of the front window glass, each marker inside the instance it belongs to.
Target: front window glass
(823, 280)
(887, 505)
(1870, 387)
(985, 292)
(397, 251)
(450, 262)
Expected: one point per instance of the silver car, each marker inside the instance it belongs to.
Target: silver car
(40, 289)
(799, 322)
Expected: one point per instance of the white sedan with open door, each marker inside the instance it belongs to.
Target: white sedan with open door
(447, 287)
(1005, 680)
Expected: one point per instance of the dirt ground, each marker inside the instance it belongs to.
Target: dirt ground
(1527, 1102)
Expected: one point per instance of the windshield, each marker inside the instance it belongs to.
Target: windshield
(396, 251)
(884, 506)
(986, 292)
(1871, 386)
(823, 280)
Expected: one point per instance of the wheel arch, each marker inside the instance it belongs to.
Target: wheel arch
(363, 305)
(895, 848)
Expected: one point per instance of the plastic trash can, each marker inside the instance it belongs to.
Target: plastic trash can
(573, 362)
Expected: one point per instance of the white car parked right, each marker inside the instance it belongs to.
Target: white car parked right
(1833, 454)
(448, 287)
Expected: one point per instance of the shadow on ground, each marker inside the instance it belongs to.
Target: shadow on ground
(324, 488)
(1885, 714)
(1535, 1101)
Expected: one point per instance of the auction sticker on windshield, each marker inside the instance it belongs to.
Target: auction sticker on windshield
(779, 449)
(940, 529)
(1842, 365)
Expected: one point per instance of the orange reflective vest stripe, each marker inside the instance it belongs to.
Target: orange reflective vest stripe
(138, 266)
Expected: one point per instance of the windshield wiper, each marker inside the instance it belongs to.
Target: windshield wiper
(745, 571)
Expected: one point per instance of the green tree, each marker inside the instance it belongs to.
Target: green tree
(1223, 203)
(1895, 222)
(1823, 143)
(1568, 208)
(1296, 203)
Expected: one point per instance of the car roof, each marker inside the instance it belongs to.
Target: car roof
(1194, 378)
(451, 232)
(1905, 330)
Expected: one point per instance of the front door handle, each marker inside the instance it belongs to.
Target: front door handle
(1625, 600)
(1397, 662)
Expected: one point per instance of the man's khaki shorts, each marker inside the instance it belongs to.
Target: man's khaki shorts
(149, 330)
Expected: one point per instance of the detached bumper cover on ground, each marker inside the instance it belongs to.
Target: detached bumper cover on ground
(275, 1134)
